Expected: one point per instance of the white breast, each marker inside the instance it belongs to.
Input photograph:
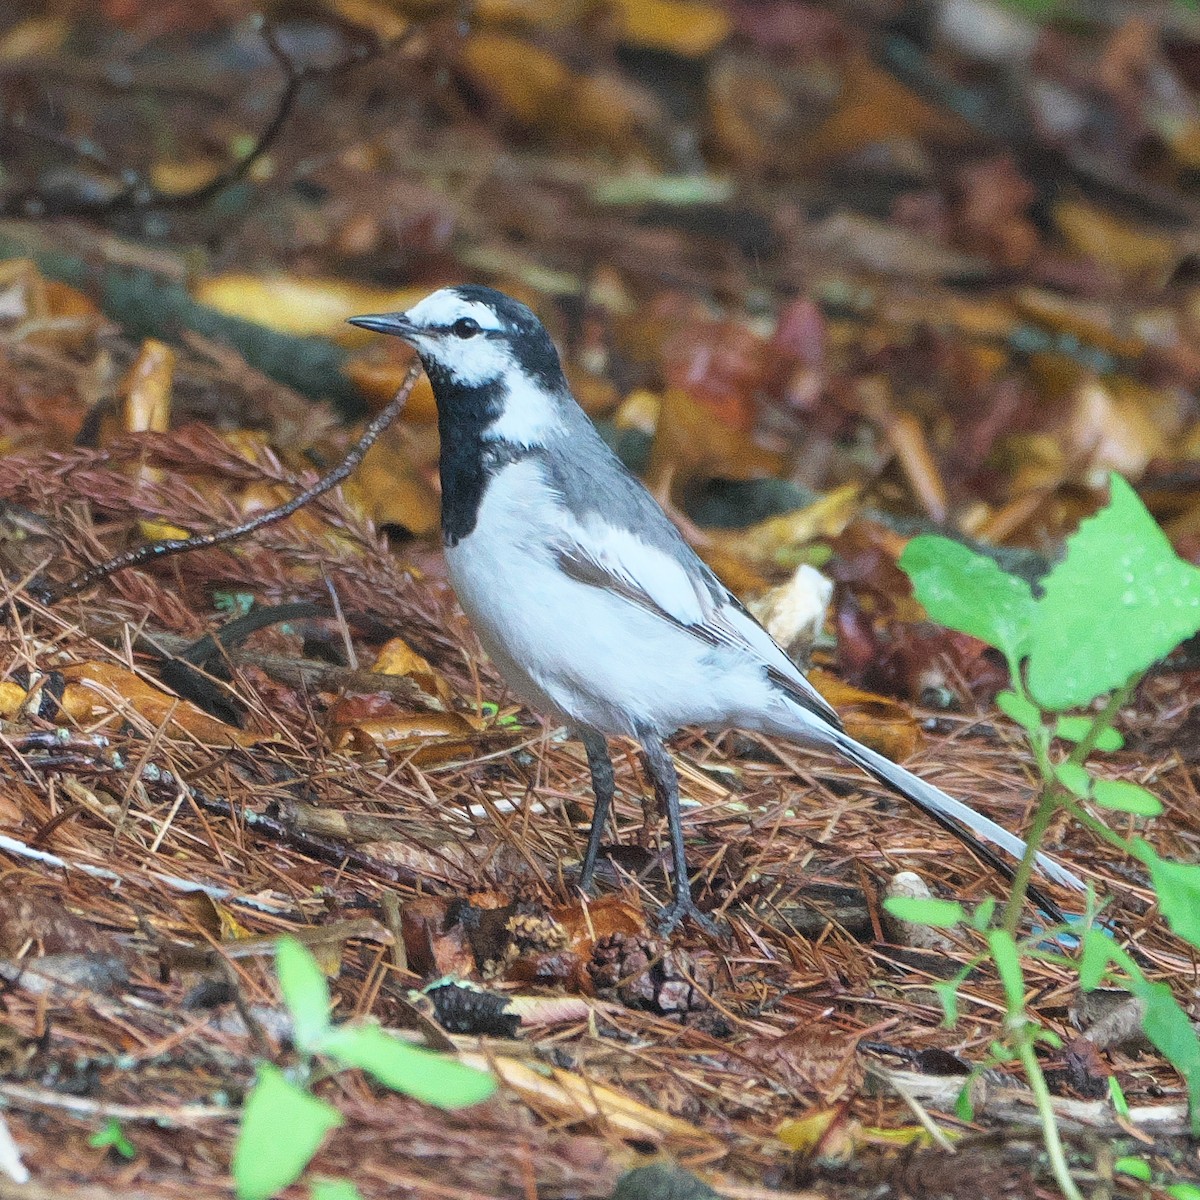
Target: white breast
(577, 651)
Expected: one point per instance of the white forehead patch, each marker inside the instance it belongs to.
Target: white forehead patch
(442, 308)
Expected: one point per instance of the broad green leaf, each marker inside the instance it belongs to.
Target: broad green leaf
(970, 592)
(1075, 729)
(433, 1078)
(1183, 1191)
(282, 1128)
(1119, 601)
(1007, 958)
(1170, 1030)
(305, 993)
(1026, 714)
(112, 1136)
(1178, 887)
(334, 1189)
(1074, 778)
(1121, 796)
(920, 910)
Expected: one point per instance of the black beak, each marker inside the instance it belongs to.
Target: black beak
(397, 324)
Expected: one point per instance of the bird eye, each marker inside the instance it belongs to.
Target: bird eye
(464, 327)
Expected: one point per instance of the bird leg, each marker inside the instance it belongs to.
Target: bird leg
(663, 776)
(601, 767)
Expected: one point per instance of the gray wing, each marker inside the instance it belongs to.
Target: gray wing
(673, 583)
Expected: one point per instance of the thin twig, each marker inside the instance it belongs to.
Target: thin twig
(172, 546)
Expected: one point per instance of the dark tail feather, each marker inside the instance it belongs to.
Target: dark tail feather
(959, 819)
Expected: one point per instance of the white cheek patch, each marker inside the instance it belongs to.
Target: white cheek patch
(528, 415)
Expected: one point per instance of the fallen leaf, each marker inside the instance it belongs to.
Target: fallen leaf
(397, 657)
(883, 724)
(306, 307)
(100, 693)
(686, 27)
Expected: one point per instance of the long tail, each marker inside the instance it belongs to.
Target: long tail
(951, 814)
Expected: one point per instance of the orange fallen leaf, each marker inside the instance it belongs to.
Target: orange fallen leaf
(876, 721)
(685, 27)
(100, 692)
(397, 657)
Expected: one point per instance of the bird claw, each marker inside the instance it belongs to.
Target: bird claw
(670, 916)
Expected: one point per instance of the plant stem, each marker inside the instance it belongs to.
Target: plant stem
(1103, 719)
(1045, 1107)
(1048, 805)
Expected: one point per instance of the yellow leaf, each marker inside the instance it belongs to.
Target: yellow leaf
(159, 531)
(11, 698)
(528, 82)
(397, 657)
(684, 27)
(1129, 248)
(147, 389)
(310, 307)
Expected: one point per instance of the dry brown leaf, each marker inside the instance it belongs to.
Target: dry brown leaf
(397, 657)
(390, 488)
(100, 692)
(883, 724)
(692, 442)
(1127, 248)
(767, 543)
(525, 81)
(379, 379)
(566, 1096)
(429, 738)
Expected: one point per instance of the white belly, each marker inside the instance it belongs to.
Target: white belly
(577, 651)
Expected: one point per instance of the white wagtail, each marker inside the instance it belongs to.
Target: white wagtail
(592, 606)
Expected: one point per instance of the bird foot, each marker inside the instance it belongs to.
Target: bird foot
(669, 917)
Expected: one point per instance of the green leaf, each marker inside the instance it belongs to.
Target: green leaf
(1075, 729)
(1169, 1029)
(969, 592)
(1094, 960)
(1183, 1191)
(1178, 888)
(1007, 958)
(920, 910)
(1120, 600)
(1024, 712)
(334, 1189)
(305, 993)
(964, 1109)
(1121, 796)
(1137, 1168)
(433, 1078)
(112, 1137)
(1116, 1096)
(981, 918)
(282, 1128)
(1074, 778)
(947, 993)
